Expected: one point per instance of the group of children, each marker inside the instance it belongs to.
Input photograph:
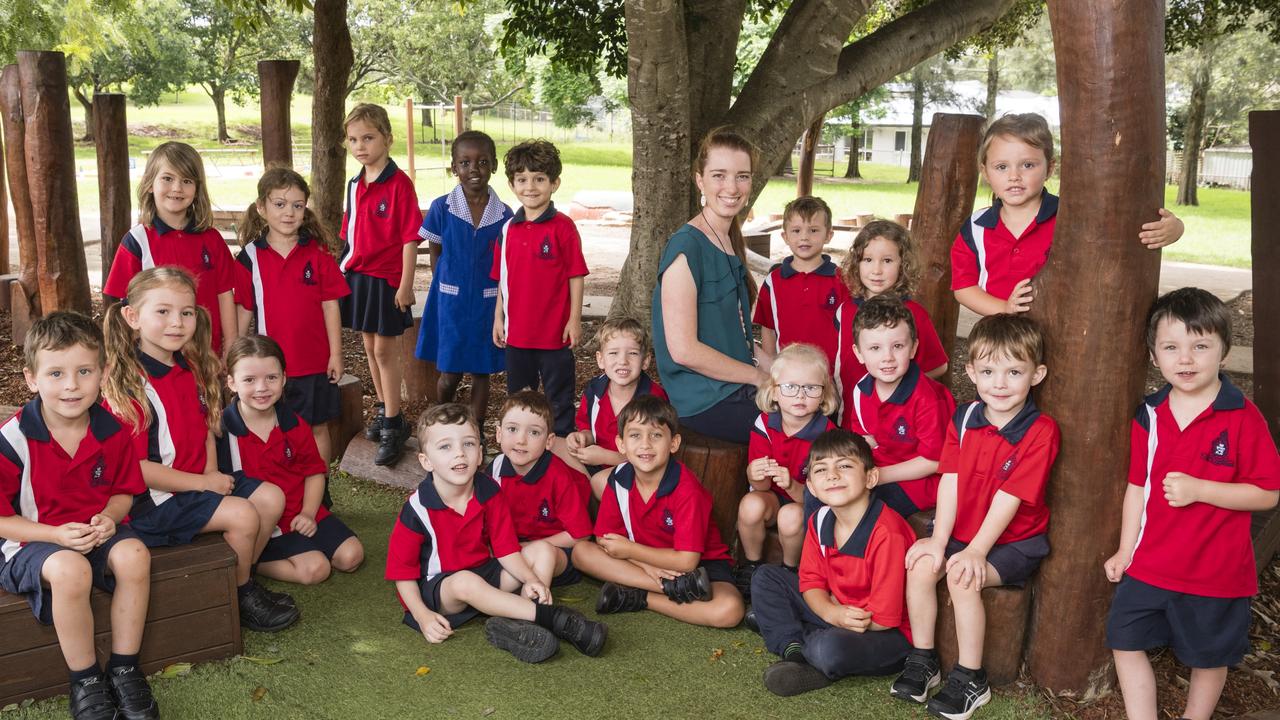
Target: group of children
(855, 435)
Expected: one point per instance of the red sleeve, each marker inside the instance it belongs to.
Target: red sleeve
(949, 460)
(571, 249)
(692, 515)
(657, 391)
(126, 471)
(224, 265)
(581, 420)
(10, 485)
(243, 293)
(930, 355)
(813, 567)
(609, 515)
(500, 527)
(499, 247)
(342, 228)
(964, 265)
(308, 461)
(1031, 474)
(123, 267)
(886, 554)
(932, 418)
(333, 285)
(408, 214)
(571, 502)
(842, 289)
(1257, 463)
(404, 550)
(763, 316)
(1138, 452)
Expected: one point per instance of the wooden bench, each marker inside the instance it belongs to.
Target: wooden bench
(722, 468)
(194, 616)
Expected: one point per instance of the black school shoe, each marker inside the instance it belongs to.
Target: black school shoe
(920, 674)
(392, 442)
(690, 587)
(742, 578)
(91, 699)
(526, 641)
(587, 636)
(787, 678)
(260, 613)
(965, 692)
(615, 598)
(373, 430)
(133, 694)
(750, 620)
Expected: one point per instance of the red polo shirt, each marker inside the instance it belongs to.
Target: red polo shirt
(533, 263)
(286, 294)
(1016, 458)
(868, 571)
(42, 483)
(801, 306)
(380, 219)
(596, 413)
(677, 516)
(930, 354)
(1199, 549)
(549, 499)
(768, 439)
(430, 538)
(203, 253)
(911, 422)
(285, 459)
(986, 253)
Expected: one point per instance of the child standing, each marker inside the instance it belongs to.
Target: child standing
(539, 268)
(463, 227)
(844, 615)
(68, 474)
(291, 289)
(175, 227)
(901, 412)
(991, 523)
(623, 358)
(656, 546)
(799, 296)
(263, 438)
(1001, 248)
(1201, 462)
(453, 553)
(378, 260)
(794, 402)
(163, 384)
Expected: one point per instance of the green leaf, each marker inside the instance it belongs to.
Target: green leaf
(175, 670)
(260, 660)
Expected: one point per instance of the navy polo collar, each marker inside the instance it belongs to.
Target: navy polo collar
(547, 215)
(856, 545)
(827, 267)
(1229, 396)
(810, 432)
(1014, 430)
(162, 227)
(507, 469)
(902, 393)
(625, 475)
(1048, 208)
(158, 369)
(234, 422)
(101, 423)
(262, 244)
(483, 487)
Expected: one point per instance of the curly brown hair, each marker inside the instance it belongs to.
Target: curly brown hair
(908, 273)
(533, 156)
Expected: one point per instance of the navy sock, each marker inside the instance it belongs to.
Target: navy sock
(78, 675)
(120, 661)
(392, 421)
(544, 615)
(245, 588)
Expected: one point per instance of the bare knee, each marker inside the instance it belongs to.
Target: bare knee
(791, 521)
(130, 561)
(269, 499)
(312, 568)
(348, 557)
(538, 551)
(241, 516)
(385, 350)
(752, 509)
(68, 572)
(729, 609)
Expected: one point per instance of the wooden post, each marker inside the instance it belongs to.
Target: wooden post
(111, 134)
(808, 154)
(408, 137)
(276, 78)
(1264, 137)
(4, 226)
(61, 272)
(16, 167)
(944, 201)
(1091, 299)
(458, 125)
(332, 59)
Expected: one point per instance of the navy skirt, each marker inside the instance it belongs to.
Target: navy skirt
(313, 398)
(371, 307)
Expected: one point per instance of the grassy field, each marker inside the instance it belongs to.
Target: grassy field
(1217, 230)
(350, 657)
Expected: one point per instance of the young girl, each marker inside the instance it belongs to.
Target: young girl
(380, 229)
(795, 401)
(162, 382)
(457, 325)
(175, 227)
(291, 288)
(263, 438)
(882, 261)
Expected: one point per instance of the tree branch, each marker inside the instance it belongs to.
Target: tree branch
(498, 101)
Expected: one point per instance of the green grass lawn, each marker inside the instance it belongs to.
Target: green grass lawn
(350, 657)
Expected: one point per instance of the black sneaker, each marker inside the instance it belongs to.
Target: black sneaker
(526, 641)
(690, 587)
(965, 692)
(750, 621)
(133, 694)
(279, 598)
(391, 443)
(920, 675)
(91, 699)
(787, 678)
(586, 635)
(614, 598)
(742, 578)
(260, 613)
(373, 430)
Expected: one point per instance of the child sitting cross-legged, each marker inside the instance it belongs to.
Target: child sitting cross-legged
(656, 546)
(453, 553)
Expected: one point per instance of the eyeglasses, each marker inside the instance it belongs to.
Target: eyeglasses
(791, 390)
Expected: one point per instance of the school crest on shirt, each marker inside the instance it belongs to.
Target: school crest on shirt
(544, 249)
(98, 476)
(381, 211)
(832, 299)
(668, 521)
(1219, 450)
(544, 511)
(288, 451)
(902, 431)
(308, 274)
(205, 259)
(1006, 467)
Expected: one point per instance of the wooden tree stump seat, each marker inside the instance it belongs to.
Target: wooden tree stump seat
(193, 616)
(350, 420)
(419, 376)
(722, 468)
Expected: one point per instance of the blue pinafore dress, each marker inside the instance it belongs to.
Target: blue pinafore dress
(457, 323)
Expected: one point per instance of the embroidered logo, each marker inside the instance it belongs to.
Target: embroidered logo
(668, 521)
(204, 258)
(1217, 454)
(98, 477)
(382, 209)
(901, 431)
(288, 451)
(1006, 467)
(308, 275)
(544, 511)
(544, 250)
(831, 298)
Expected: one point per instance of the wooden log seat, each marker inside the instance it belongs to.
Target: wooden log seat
(350, 420)
(194, 616)
(419, 376)
(722, 468)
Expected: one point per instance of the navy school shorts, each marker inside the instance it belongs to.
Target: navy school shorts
(1016, 561)
(490, 570)
(897, 500)
(178, 520)
(313, 398)
(718, 570)
(21, 574)
(330, 534)
(1204, 632)
(570, 574)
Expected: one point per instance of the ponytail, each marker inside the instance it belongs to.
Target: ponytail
(123, 385)
(738, 242)
(207, 369)
(252, 225)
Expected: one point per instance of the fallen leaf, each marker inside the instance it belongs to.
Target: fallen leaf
(175, 670)
(487, 712)
(261, 661)
(739, 644)
(716, 654)
(259, 693)
(9, 708)
(27, 703)
(759, 651)
(422, 671)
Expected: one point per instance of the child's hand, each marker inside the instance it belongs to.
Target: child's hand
(617, 546)
(537, 592)
(851, 617)
(1180, 489)
(761, 469)
(104, 526)
(576, 440)
(657, 574)
(334, 370)
(76, 536)
(435, 627)
(499, 334)
(1021, 297)
(303, 524)
(970, 569)
(220, 483)
(1117, 564)
(782, 478)
(928, 550)
(404, 298)
(592, 455)
(572, 331)
(1164, 231)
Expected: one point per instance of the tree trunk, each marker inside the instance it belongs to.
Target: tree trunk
(113, 175)
(808, 155)
(219, 96)
(331, 47)
(19, 188)
(1193, 131)
(917, 124)
(855, 142)
(276, 77)
(993, 84)
(87, 103)
(1264, 138)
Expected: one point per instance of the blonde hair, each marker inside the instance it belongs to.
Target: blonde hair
(798, 354)
(907, 266)
(727, 137)
(278, 177)
(624, 325)
(1006, 335)
(1029, 128)
(62, 330)
(182, 159)
(124, 385)
(374, 115)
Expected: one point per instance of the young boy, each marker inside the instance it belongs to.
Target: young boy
(799, 296)
(548, 499)
(899, 410)
(1201, 462)
(845, 614)
(539, 268)
(68, 474)
(623, 357)
(453, 553)
(991, 521)
(656, 546)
